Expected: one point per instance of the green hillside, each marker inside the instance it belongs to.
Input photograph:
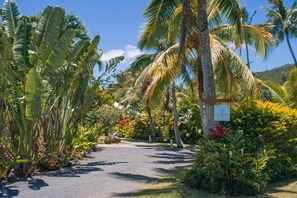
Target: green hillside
(278, 75)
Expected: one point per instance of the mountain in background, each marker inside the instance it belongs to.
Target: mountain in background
(277, 75)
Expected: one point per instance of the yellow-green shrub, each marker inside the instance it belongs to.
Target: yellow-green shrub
(270, 126)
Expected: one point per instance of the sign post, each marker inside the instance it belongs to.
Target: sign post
(221, 111)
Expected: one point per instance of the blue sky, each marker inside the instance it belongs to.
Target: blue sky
(118, 22)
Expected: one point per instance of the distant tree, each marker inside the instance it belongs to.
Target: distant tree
(282, 22)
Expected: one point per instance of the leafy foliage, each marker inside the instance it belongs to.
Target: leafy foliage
(106, 116)
(273, 127)
(10, 15)
(228, 167)
(34, 95)
(291, 87)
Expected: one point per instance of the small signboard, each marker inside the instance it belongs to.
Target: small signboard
(222, 112)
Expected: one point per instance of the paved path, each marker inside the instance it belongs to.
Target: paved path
(114, 171)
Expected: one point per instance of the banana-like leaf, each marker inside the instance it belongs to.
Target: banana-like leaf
(48, 32)
(34, 95)
(10, 17)
(96, 41)
(58, 54)
(22, 43)
(78, 47)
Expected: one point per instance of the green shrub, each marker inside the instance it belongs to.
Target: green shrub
(189, 119)
(273, 127)
(141, 130)
(84, 141)
(106, 116)
(225, 166)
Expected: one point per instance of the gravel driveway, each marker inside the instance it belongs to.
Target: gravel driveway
(114, 171)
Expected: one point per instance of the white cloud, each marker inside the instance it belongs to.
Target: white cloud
(129, 52)
(111, 54)
(132, 52)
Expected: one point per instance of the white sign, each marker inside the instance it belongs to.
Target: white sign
(222, 112)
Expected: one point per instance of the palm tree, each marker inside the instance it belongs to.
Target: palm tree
(172, 20)
(130, 95)
(207, 67)
(282, 22)
(247, 20)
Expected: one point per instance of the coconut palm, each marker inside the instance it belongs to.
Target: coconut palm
(282, 22)
(247, 20)
(167, 21)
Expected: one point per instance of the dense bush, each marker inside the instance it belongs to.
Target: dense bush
(189, 119)
(225, 166)
(273, 127)
(106, 116)
(141, 130)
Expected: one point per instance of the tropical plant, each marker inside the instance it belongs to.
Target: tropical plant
(170, 21)
(269, 126)
(227, 166)
(282, 22)
(291, 87)
(47, 74)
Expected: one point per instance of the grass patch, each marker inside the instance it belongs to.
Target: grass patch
(172, 187)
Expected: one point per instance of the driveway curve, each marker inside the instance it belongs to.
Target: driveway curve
(113, 171)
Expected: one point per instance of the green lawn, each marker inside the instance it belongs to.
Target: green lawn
(171, 187)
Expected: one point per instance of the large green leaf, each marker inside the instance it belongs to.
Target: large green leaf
(48, 32)
(10, 17)
(58, 54)
(21, 44)
(34, 95)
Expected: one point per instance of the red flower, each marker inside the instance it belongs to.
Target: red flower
(124, 122)
(218, 133)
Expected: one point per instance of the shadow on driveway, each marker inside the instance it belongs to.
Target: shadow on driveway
(133, 177)
(81, 169)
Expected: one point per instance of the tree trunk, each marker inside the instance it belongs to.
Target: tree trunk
(151, 121)
(247, 55)
(178, 140)
(201, 93)
(207, 67)
(290, 47)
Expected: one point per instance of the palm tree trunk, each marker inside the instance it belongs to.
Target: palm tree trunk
(247, 55)
(207, 67)
(178, 140)
(150, 120)
(201, 93)
(290, 47)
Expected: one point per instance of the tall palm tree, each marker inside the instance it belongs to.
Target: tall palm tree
(161, 73)
(178, 20)
(247, 20)
(282, 22)
(207, 67)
